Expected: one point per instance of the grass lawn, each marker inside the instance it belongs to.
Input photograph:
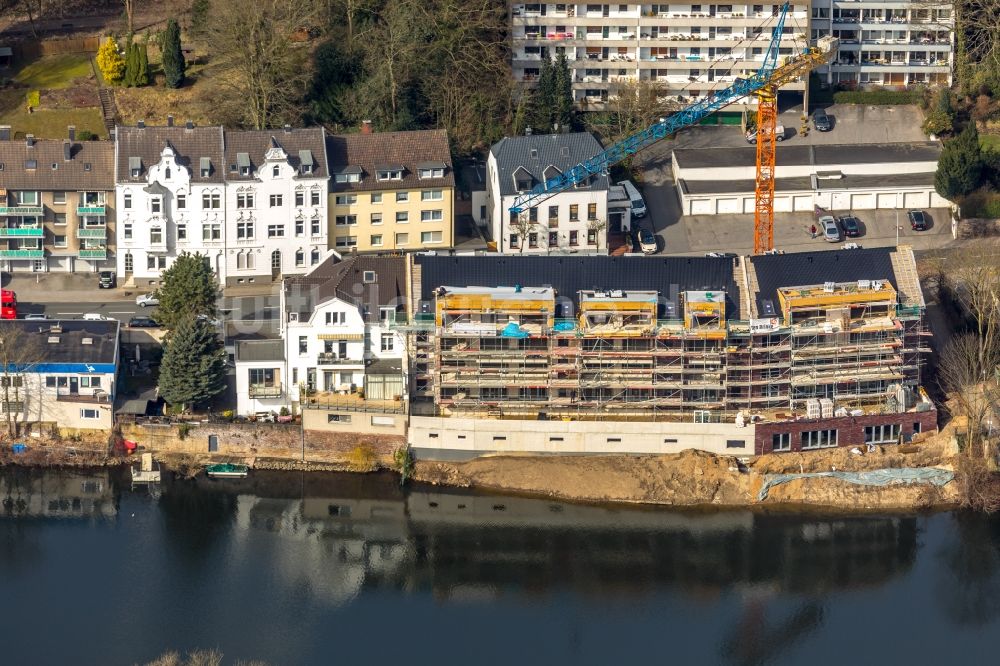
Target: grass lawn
(56, 71)
(52, 123)
(989, 141)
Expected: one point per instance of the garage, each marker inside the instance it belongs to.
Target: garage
(803, 202)
(749, 205)
(887, 199)
(702, 207)
(60, 264)
(731, 205)
(840, 201)
(783, 204)
(914, 200)
(862, 201)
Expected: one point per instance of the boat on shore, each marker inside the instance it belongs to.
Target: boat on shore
(227, 471)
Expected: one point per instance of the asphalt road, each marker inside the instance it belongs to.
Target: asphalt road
(245, 309)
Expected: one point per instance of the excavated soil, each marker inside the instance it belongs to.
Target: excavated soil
(694, 478)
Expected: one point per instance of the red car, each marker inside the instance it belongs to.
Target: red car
(8, 304)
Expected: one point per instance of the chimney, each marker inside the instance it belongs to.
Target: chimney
(72, 133)
(288, 128)
(4, 132)
(67, 151)
(189, 125)
(527, 131)
(30, 140)
(170, 121)
(141, 124)
(366, 127)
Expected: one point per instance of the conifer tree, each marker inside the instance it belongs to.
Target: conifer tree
(142, 66)
(173, 57)
(110, 62)
(960, 165)
(189, 289)
(193, 369)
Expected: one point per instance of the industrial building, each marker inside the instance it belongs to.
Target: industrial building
(788, 341)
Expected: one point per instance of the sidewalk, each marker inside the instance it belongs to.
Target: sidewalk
(63, 287)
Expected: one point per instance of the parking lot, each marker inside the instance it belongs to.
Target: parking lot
(852, 124)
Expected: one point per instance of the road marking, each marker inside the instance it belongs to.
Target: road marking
(69, 313)
(128, 312)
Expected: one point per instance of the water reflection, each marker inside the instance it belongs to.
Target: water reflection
(969, 583)
(36, 493)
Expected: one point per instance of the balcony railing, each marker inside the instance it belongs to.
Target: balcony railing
(93, 253)
(22, 232)
(90, 210)
(265, 391)
(333, 359)
(22, 254)
(97, 396)
(20, 210)
(92, 232)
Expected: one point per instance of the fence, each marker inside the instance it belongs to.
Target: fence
(31, 50)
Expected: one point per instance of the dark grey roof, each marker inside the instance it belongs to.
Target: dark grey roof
(190, 146)
(742, 186)
(882, 180)
(344, 279)
(70, 347)
(798, 155)
(72, 174)
(775, 271)
(569, 275)
(302, 145)
(538, 151)
(384, 366)
(260, 350)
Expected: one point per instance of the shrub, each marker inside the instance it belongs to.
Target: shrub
(981, 204)
(110, 61)
(34, 99)
(182, 430)
(86, 135)
(937, 122)
(228, 414)
(362, 458)
(403, 460)
(877, 97)
(284, 411)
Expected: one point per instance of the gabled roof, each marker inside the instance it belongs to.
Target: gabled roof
(91, 166)
(191, 146)
(409, 150)
(538, 152)
(569, 275)
(345, 279)
(248, 147)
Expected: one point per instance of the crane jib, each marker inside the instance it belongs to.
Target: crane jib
(686, 117)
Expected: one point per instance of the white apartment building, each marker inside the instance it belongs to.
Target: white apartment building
(276, 203)
(575, 220)
(336, 339)
(885, 43)
(170, 191)
(689, 49)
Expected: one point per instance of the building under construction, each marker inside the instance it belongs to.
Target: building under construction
(773, 337)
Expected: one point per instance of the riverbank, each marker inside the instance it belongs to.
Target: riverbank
(696, 478)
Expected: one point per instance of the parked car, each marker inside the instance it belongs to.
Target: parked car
(831, 232)
(33, 317)
(918, 220)
(147, 300)
(210, 320)
(93, 316)
(142, 322)
(821, 121)
(779, 132)
(851, 226)
(647, 241)
(106, 280)
(635, 199)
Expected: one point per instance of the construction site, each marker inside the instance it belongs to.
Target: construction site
(703, 340)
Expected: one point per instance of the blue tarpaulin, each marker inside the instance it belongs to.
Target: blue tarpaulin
(512, 330)
(878, 477)
(564, 326)
(19, 448)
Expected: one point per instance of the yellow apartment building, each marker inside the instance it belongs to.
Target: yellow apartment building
(391, 191)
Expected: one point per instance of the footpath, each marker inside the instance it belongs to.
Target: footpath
(64, 288)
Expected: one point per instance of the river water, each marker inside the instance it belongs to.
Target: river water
(339, 569)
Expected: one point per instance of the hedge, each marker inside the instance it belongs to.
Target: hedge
(877, 97)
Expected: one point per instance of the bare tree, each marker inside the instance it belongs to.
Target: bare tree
(264, 70)
(971, 381)
(19, 352)
(972, 279)
(129, 15)
(637, 105)
(522, 226)
(597, 227)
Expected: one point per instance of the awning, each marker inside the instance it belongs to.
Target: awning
(243, 160)
(341, 336)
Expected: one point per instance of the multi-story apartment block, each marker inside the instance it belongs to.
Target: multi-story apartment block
(822, 335)
(170, 195)
(391, 191)
(276, 203)
(689, 50)
(892, 44)
(336, 338)
(575, 220)
(56, 204)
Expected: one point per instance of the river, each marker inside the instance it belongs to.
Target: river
(338, 569)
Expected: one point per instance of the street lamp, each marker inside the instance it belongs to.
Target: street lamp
(897, 218)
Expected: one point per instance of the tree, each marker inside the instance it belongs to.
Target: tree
(142, 69)
(193, 369)
(522, 225)
(129, 15)
(173, 57)
(969, 378)
(562, 103)
(110, 61)
(131, 65)
(18, 353)
(264, 70)
(189, 289)
(960, 166)
(635, 106)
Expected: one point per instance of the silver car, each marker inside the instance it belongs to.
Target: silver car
(831, 232)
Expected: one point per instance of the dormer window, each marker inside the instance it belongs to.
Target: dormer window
(523, 179)
(368, 277)
(243, 163)
(305, 162)
(206, 167)
(430, 170)
(135, 166)
(389, 172)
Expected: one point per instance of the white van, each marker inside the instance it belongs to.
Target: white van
(638, 205)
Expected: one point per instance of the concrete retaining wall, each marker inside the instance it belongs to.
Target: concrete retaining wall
(349, 421)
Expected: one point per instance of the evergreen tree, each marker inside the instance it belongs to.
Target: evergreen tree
(960, 166)
(142, 66)
(563, 94)
(131, 64)
(543, 99)
(173, 57)
(189, 290)
(193, 369)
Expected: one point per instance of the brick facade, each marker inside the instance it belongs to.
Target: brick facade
(850, 429)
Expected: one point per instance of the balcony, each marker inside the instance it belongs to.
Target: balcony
(265, 391)
(20, 210)
(333, 359)
(90, 210)
(98, 396)
(92, 232)
(22, 232)
(93, 253)
(34, 253)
